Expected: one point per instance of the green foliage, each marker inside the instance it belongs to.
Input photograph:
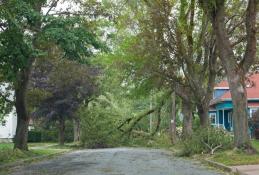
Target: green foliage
(98, 126)
(35, 96)
(8, 154)
(16, 46)
(34, 136)
(24, 30)
(100, 119)
(237, 157)
(160, 140)
(49, 135)
(6, 101)
(72, 35)
(49, 131)
(202, 138)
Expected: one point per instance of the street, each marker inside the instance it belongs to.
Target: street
(116, 161)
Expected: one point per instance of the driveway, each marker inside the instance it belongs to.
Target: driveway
(117, 161)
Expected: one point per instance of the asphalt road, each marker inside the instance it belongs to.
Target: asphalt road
(116, 161)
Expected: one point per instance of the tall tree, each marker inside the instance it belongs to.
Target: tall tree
(66, 92)
(24, 28)
(235, 68)
(190, 51)
(175, 44)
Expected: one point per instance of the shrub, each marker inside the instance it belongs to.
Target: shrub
(206, 140)
(162, 140)
(98, 129)
(49, 135)
(34, 136)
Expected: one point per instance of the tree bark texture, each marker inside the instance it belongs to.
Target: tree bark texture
(21, 135)
(173, 119)
(235, 71)
(187, 118)
(76, 123)
(61, 138)
(203, 112)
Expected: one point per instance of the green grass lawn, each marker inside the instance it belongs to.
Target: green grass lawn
(7, 154)
(6, 146)
(237, 157)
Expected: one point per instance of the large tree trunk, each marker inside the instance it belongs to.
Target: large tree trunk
(187, 118)
(203, 112)
(236, 71)
(240, 116)
(21, 83)
(61, 138)
(21, 136)
(173, 120)
(76, 130)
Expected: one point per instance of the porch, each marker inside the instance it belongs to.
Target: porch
(222, 118)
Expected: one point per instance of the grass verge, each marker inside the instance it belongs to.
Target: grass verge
(237, 157)
(8, 155)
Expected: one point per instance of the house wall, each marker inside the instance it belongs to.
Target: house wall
(7, 131)
(227, 108)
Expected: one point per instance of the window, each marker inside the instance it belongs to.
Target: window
(213, 118)
(252, 111)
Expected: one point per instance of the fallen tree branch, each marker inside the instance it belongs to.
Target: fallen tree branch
(137, 119)
(123, 123)
(158, 120)
(132, 121)
(211, 147)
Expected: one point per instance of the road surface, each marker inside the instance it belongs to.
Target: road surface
(116, 161)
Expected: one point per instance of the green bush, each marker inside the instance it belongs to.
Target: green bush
(98, 127)
(159, 140)
(69, 131)
(49, 135)
(206, 140)
(34, 136)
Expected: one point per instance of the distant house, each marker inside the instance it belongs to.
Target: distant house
(8, 127)
(9, 122)
(221, 107)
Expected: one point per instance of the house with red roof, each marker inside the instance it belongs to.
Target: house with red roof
(221, 107)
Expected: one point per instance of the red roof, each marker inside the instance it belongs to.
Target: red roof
(222, 84)
(252, 88)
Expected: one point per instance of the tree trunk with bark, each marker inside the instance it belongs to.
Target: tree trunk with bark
(61, 138)
(21, 83)
(235, 70)
(21, 135)
(187, 118)
(173, 120)
(76, 123)
(240, 115)
(203, 112)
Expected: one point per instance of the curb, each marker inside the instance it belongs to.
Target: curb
(223, 167)
(29, 160)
